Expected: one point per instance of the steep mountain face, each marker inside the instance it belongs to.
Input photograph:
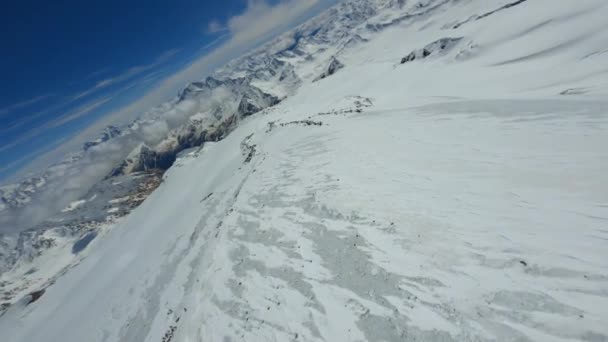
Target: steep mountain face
(426, 189)
(239, 99)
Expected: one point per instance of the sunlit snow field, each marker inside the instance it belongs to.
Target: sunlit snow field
(459, 198)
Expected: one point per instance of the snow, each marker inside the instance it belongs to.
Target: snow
(119, 200)
(46, 268)
(467, 202)
(73, 206)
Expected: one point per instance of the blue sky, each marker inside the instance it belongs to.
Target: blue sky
(71, 67)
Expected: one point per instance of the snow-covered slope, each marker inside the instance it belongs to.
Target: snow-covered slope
(458, 196)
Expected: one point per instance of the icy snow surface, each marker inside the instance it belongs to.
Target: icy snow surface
(458, 198)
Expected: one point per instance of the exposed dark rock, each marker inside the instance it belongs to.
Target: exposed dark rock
(359, 102)
(437, 47)
(207, 197)
(574, 91)
(303, 122)
(169, 334)
(332, 68)
(250, 105)
(83, 242)
(34, 296)
(248, 150)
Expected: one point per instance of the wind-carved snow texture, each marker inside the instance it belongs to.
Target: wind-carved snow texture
(312, 239)
(460, 201)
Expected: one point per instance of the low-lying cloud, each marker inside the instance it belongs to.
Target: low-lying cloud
(66, 182)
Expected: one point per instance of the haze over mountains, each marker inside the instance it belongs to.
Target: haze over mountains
(389, 170)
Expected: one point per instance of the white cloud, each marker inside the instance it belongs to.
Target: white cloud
(128, 74)
(61, 120)
(83, 109)
(78, 113)
(261, 18)
(215, 27)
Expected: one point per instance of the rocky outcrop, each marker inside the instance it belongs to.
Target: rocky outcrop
(332, 68)
(239, 99)
(437, 47)
(252, 104)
